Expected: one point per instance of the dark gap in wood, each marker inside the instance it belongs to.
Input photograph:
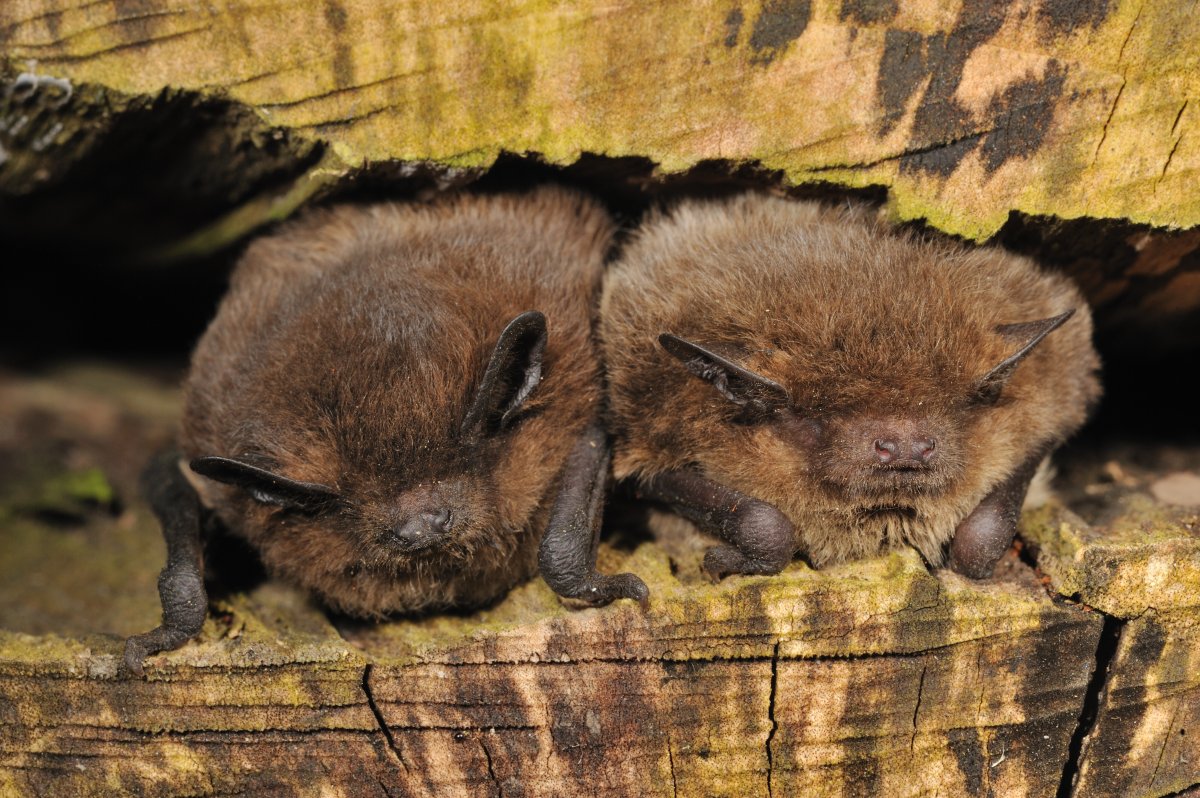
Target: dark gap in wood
(1106, 649)
(771, 717)
(379, 719)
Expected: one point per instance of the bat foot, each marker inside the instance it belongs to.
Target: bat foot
(138, 647)
(603, 590)
(136, 650)
(723, 561)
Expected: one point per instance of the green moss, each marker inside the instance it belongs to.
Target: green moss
(69, 494)
(1147, 556)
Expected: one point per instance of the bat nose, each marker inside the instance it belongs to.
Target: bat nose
(422, 530)
(903, 451)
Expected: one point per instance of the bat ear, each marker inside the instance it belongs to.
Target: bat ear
(754, 393)
(265, 486)
(514, 370)
(1029, 334)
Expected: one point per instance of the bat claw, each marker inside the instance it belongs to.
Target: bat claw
(604, 590)
(136, 651)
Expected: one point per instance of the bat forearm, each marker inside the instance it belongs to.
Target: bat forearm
(763, 539)
(181, 583)
(567, 557)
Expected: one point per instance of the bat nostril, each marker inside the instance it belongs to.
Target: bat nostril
(922, 449)
(885, 451)
(439, 519)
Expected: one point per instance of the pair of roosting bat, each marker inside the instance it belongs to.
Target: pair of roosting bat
(404, 407)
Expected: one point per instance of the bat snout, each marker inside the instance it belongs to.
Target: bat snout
(421, 531)
(898, 451)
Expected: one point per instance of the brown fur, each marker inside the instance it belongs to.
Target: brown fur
(347, 352)
(864, 327)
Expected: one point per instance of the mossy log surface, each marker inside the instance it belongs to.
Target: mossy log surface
(877, 678)
(972, 115)
(1063, 107)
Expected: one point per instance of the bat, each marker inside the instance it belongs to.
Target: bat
(398, 407)
(797, 378)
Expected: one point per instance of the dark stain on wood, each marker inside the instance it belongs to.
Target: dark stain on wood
(733, 26)
(343, 59)
(968, 753)
(779, 24)
(1021, 115)
(1123, 711)
(1061, 17)
(944, 132)
(868, 12)
(901, 71)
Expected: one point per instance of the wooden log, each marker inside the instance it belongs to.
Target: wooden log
(1140, 564)
(1071, 108)
(162, 130)
(877, 677)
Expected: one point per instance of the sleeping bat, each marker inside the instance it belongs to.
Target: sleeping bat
(397, 406)
(791, 377)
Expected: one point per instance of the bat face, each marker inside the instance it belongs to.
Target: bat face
(854, 433)
(416, 495)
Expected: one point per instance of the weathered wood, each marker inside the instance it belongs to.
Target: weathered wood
(1139, 561)
(1068, 108)
(869, 679)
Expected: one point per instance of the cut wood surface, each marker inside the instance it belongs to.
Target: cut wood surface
(1139, 561)
(875, 678)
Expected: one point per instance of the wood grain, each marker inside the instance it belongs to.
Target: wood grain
(968, 112)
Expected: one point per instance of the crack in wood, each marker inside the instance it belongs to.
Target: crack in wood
(1129, 35)
(1104, 129)
(62, 58)
(347, 89)
(671, 763)
(379, 719)
(1167, 737)
(487, 754)
(906, 153)
(912, 743)
(118, 21)
(46, 14)
(1106, 650)
(771, 717)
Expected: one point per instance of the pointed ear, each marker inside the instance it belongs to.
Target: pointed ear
(754, 393)
(1029, 334)
(263, 485)
(513, 372)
